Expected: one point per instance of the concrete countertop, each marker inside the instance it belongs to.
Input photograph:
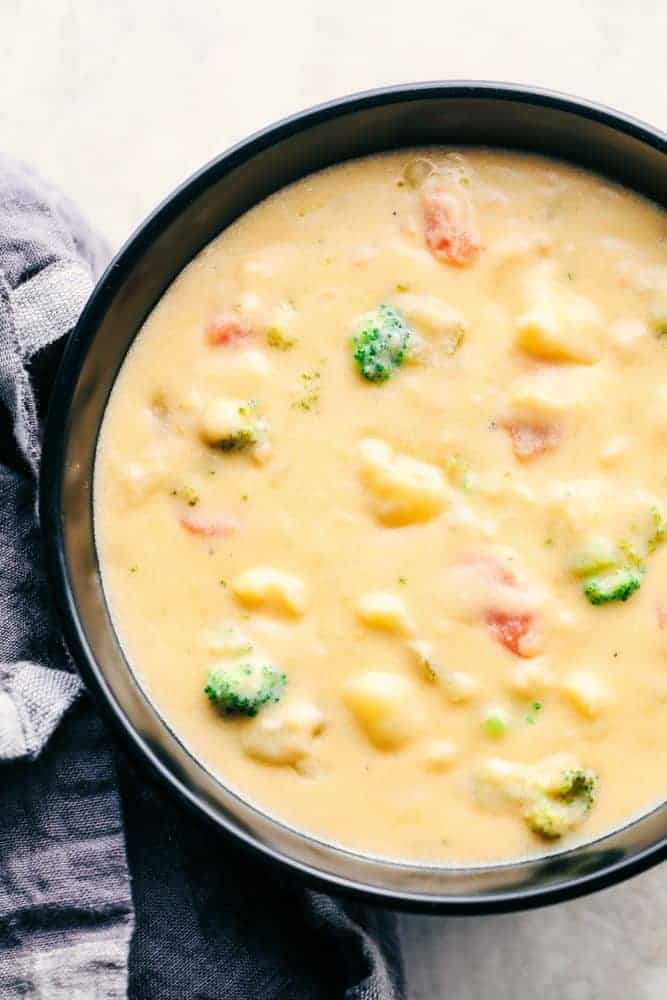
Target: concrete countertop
(117, 103)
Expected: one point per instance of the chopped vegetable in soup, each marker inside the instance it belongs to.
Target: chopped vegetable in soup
(380, 505)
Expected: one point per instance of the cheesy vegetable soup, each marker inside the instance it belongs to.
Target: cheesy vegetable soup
(380, 505)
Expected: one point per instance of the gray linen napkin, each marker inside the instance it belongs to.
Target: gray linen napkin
(65, 903)
(211, 922)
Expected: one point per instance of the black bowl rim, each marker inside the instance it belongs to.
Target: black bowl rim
(55, 435)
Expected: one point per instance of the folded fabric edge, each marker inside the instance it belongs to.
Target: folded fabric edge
(33, 700)
(92, 964)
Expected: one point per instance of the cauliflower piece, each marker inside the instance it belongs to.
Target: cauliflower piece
(285, 735)
(228, 424)
(384, 611)
(587, 692)
(384, 704)
(434, 318)
(404, 490)
(553, 796)
(251, 362)
(271, 590)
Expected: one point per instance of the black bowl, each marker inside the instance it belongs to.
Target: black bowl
(423, 114)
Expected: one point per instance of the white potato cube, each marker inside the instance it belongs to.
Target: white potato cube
(626, 334)
(141, 479)
(272, 590)
(528, 680)
(385, 706)
(538, 398)
(439, 755)
(284, 734)
(224, 639)
(588, 693)
(404, 490)
(615, 449)
(384, 611)
(251, 361)
(458, 686)
(559, 324)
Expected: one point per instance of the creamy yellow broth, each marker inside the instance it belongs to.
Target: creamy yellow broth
(412, 553)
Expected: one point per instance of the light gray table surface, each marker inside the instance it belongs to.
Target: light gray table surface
(119, 101)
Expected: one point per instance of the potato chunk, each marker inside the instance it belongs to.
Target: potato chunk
(224, 639)
(285, 735)
(537, 398)
(384, 705)
(588, 693)
(141, 480)
(439, 755)
(272, 590)
(539, 333)
(559, 325)
(384, 611)
(459, 687)
(531, 679)
(404, 490)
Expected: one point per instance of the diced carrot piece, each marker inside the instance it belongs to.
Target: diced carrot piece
(226, 330)
(209, 527)
(531, 440)
(510, 628)
(449, 225)
(505, 604)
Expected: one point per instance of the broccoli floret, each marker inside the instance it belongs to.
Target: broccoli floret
(554, 795)
(561, 806)
(245, 437)
(243, 689)
(381, 343)
(615, 586)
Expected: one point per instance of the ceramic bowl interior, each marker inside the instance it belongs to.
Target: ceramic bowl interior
(456, 114)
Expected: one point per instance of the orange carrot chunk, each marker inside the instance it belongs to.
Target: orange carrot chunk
(209, 527)
(449, 224)
(510, 628)
(226, 330)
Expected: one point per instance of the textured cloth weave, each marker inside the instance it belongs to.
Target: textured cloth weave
(89, 849)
